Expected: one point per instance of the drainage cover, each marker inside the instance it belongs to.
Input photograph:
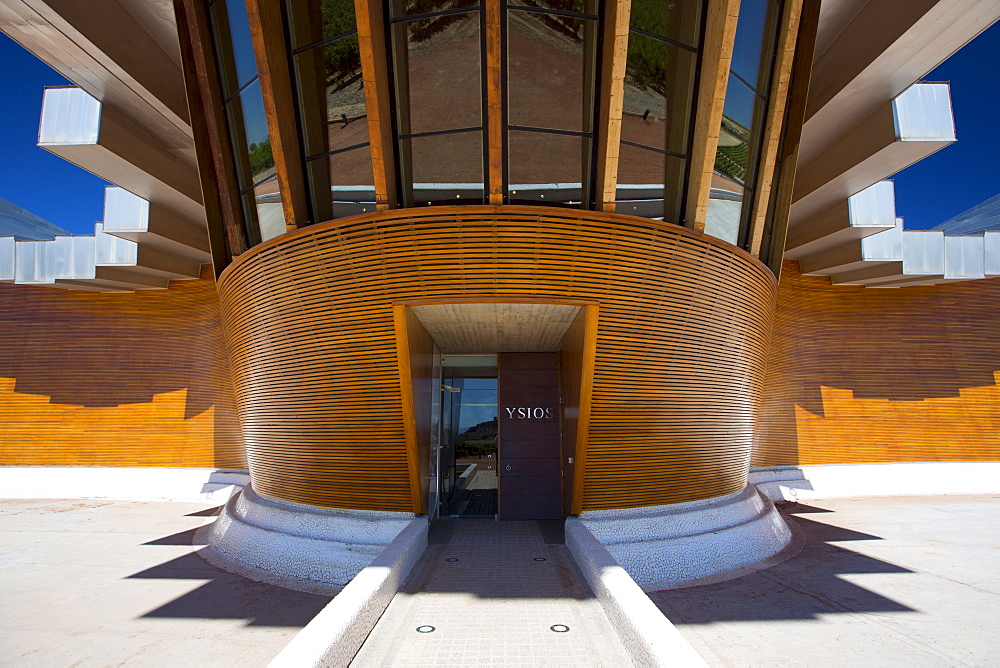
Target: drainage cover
(451, 559)
(430, 629)
(539, 558)
(559, 628)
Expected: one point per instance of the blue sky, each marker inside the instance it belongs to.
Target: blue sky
(927, 193)
(30, 177)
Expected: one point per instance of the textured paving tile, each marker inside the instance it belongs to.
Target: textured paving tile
(491, 603)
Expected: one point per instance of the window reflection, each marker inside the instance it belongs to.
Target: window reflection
(659, 89)
(263, 215)
(676, 20)
(730, 206)
(402, 8)
(658, 105)
(546, 68)
(650, 183)
(232, 41)
(251, 140)
(311, 21)
(331, 96)
(438, 73)
(446, 168)
(753, 51)
(548, 168)
(342, 183)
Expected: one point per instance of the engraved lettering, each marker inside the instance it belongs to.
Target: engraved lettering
(520, 413)
(510, 413)
(548, 413)
(538, 413)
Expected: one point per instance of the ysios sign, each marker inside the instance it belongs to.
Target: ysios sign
(526, 413)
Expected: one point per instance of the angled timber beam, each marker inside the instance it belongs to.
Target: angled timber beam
(494, 103)
(218, 180)
(717, 55)
(271, 50)
(375, 77)
(614, 59)
(788, 33)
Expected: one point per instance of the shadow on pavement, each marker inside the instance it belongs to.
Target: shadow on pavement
(804, 587)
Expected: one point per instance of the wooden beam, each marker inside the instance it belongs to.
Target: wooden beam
(375, 78)
(614, 60)
(494, 103)
(781, 198)
(211, 135)
(406, 395)
(268, 36)
(787, 38)
(716, 56)
(591, 313)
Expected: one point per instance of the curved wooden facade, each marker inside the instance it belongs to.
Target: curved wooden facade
(858, 375)
(682, 341)
(116, 379)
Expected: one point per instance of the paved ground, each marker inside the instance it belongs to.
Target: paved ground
(109, 583)
(881, 582)
(895, 581)
(494, 604)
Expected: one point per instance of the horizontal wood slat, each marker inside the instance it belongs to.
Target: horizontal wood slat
(860, 375)
(681, 346)
(139, 379)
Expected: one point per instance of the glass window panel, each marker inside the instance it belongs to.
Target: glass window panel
(755, 41)
(331, 97)
(401, 8)
(310, 21)
(679, 20)
(265, 199)
(235, 48)
(444, 169)
(581, 6)
(342, 184)
(438, 73)
(550, 70)
(659, 86)
(548, 169)
(723, 218)
(650, 184)
(251, 141)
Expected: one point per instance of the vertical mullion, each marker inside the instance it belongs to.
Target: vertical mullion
(617, 14)
(496, 186)
(376, 82)
(268, 35)
(717, 54)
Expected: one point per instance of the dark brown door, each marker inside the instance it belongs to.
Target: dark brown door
(530, 476)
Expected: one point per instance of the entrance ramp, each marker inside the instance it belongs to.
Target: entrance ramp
(494, 593)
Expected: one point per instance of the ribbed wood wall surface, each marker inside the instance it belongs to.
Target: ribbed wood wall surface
(682, 339)
(141, 379)
(862, 375)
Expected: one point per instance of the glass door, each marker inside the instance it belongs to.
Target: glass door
(468, 452)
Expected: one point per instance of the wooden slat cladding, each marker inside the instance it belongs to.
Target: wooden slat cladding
(137, 379)
(861, 375)
(680, 353)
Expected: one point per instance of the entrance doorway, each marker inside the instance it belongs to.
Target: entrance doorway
(496, 405)
(500, 437)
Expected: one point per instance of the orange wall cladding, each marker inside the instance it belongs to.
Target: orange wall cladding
(863, 375)
(682, 342)
(124, 379)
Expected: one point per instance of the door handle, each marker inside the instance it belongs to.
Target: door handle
(507, 467)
